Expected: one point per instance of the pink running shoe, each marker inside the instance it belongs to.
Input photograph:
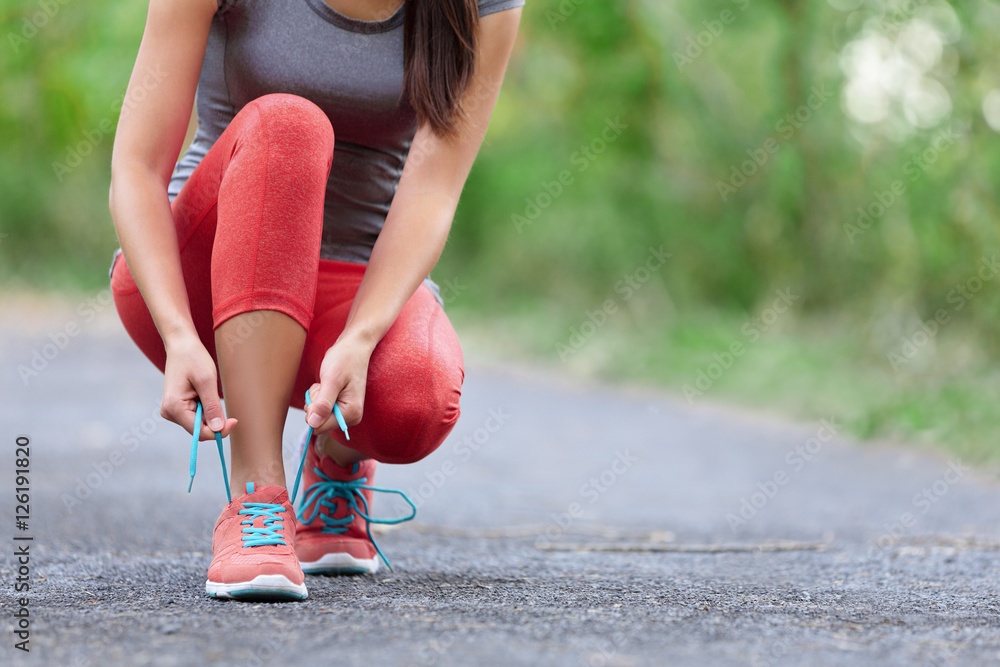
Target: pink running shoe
(252, 549)
(333, 531)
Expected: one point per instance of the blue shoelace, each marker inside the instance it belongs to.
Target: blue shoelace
(321, 493)
(194, 452)
(270, 534)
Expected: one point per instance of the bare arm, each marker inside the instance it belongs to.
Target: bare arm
(416, 228)
(151, 129)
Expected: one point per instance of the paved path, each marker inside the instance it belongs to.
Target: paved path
(561, 524)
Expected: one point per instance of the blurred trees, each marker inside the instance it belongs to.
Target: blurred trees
(844, 149)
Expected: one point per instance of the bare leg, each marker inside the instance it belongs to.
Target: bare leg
(259, 355)
(341, 454)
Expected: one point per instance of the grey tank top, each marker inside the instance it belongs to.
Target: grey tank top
(351, 69)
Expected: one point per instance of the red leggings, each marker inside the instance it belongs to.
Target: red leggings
(249, 222)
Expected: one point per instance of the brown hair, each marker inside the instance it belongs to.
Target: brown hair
(439, 54)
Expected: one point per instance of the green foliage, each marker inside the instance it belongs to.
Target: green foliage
(696, 116)
(555, 214)
(62, 76)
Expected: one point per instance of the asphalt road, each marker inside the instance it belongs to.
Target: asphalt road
(561, 524)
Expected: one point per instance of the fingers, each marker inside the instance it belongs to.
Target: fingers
(204, 432)
(319, 413)
(227, 429)
(320, 410)
(184, 414)
(214, 419)
(180, 412)
(190, 377)
(351, 402)
(207, 389)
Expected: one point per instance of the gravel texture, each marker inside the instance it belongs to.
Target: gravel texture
(562, 523)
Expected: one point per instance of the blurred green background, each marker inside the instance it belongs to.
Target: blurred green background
(823, 176)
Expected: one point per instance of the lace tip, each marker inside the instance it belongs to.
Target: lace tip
(340, 420)
(190, 484)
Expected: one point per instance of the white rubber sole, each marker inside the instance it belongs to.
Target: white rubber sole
(341, 563)
(265, 587)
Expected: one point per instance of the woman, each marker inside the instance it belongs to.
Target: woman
(288, 249)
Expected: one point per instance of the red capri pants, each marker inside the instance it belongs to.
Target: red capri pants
(249, 222)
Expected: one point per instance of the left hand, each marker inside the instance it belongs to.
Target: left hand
(343, 376)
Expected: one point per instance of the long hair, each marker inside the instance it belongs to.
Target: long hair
(439, 54)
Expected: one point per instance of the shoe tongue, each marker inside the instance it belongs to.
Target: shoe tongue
(336, 471)
(265, 494)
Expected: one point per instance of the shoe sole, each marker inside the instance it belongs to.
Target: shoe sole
(341, 563)
(263, 587)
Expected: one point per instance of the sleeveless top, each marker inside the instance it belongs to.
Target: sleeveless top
(351, 69)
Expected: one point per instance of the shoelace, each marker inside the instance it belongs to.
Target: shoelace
(194, 452)
(323, 495)
(222, 455)
(270, 534)
(323, 492)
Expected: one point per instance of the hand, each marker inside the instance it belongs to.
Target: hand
(190, 376)
(343, 376)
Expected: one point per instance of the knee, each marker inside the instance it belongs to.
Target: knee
(422, 419)
(295, 119)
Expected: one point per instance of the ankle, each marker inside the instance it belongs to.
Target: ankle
(343, 456)
(260, 476)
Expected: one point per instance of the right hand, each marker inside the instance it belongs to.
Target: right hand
(189, 376)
